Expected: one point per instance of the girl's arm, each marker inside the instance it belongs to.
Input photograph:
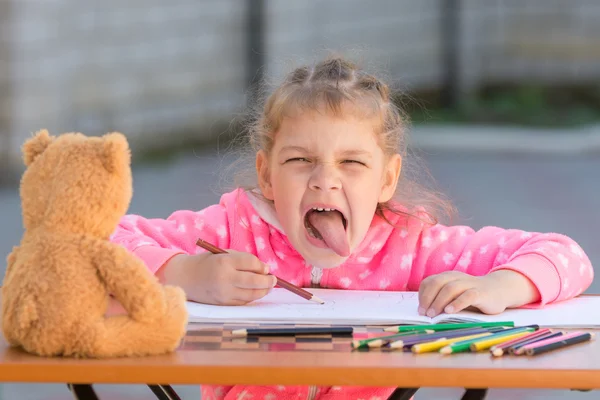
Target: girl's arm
(168, 248)
(541, 267)
(156, 241)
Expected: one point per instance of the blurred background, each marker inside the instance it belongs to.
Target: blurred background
(504, 97)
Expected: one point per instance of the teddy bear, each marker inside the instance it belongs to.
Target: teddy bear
(60, 278)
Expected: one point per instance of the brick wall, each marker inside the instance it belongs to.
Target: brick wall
(161, 71)
(152, 69)
(5, 89)
(399, 38)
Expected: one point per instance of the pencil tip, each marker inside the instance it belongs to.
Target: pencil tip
(390, 329)
(239, 332)
(446, 350)
(497, 352)
(316, 299)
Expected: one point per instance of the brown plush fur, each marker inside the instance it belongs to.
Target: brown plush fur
(56, 288)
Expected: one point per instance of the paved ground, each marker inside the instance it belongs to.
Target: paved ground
(539, 193)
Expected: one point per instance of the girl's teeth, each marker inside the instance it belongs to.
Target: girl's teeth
(322, 209)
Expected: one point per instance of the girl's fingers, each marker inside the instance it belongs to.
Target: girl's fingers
(447, 294)
(249, 263)
(429, 289)
(251, 280)
(468, 298)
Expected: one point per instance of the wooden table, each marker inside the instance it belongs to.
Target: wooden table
(208, 355)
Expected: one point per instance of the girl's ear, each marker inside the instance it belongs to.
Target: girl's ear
(262, 171)
(390, 178)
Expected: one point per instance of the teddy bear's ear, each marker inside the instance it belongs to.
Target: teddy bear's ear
(115, 151)
(35, 146)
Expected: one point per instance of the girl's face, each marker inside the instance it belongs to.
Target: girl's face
(325, 176)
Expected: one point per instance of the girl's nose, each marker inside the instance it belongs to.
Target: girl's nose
(324, 178)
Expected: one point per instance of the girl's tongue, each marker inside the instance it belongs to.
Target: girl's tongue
(329, 227)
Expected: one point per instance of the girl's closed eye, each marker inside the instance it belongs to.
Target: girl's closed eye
(355, 162)
(297, 159)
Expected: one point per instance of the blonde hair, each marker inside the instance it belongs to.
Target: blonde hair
(331, 86)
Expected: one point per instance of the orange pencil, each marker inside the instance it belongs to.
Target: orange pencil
(280, 282)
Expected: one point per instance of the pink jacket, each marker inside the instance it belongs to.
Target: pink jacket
(395, 257)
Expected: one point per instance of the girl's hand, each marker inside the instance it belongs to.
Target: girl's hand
(234, 278)
(453, 291)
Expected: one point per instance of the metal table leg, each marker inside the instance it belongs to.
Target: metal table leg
(164, 392)
(403, 394)
(82, 391)
(474, 394)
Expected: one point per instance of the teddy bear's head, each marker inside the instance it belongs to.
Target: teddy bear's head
(76, 184)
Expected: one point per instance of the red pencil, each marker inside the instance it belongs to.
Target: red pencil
(280, 282)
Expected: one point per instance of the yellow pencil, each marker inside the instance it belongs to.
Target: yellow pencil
(486, 344)
(438, 344)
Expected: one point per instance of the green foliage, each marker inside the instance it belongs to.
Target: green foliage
(528, 105)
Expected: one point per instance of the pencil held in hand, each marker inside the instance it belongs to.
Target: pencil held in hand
(280, 282)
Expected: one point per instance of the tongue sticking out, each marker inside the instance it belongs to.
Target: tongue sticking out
(330, 228)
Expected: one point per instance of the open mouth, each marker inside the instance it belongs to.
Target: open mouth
(329, 226)
(314, 231)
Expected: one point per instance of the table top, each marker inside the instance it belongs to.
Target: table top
(210, 355)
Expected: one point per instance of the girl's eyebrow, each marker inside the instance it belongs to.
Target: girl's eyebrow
(294, 148)
(356, 153)
(344, 153)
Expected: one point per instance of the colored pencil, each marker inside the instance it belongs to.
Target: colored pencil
(320, 330)
(280, 282)
(445, 327)
(550, 340)
(559, 343)
(465, 345)
(500, 349)
(381, 340)
(533, 335)
(438, 344)
(518, 349)
(409, 341)
(485, 344)
(564, 336)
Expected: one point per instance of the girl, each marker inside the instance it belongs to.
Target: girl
(331, 211)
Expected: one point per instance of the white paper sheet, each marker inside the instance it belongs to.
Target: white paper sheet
(580, 312)
(341, 307)
(351, 307)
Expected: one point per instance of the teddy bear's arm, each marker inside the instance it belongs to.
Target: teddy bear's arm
(127, 278)
(11, 259)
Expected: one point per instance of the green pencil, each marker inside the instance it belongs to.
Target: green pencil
(378, 341)
(446, 327)
(465, 345)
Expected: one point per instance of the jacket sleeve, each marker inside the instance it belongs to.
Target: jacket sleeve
(555, 263)
(155, 241)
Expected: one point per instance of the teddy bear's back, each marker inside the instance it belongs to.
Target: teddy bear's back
(35, 296)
